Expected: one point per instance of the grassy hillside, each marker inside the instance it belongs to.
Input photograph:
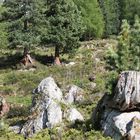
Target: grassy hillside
(16, 86)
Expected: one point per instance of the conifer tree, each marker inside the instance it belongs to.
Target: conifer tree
(130, 8)
(135, 44)
(64, 26)
(124, 47)
(92, 17)
(23, 17)
(24, 20)
(3, 30)
(111, 12)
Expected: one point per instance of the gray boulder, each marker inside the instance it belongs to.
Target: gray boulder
(121, 125)
(45, 111)
(118, 115)
(74, 94)
(127, 91)
(73, 114)
(49, 88)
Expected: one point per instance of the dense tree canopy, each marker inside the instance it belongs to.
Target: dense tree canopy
(92, 18)
(23, 17)
(130, 8)
(3, 30)
(64, 25)
(135, 44)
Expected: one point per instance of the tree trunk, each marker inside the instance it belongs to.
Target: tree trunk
(57, 60)
(25, 25)
(26, 57)
(26, 51)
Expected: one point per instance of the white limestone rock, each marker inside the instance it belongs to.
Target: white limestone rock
(73, 114)
(74, 94)
(49, 88)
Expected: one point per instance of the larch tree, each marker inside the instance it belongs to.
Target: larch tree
(63, 26)
(123, 52)
(92, 17)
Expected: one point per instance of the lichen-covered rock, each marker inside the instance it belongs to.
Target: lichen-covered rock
(73, 114)
(45, 111)
(49, 88)
(114, 123)
(15, 128)
(74, 94)
(127, 92)
(118, 115)
(121, 125)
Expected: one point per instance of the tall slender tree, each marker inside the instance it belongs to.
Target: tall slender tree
(64, 26)
(3, 30)
(135, 44)
(111, 12)
(124, 47)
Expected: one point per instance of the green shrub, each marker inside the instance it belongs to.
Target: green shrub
(18, 111)
(111, 81)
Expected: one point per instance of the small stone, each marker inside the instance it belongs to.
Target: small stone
(72, 115)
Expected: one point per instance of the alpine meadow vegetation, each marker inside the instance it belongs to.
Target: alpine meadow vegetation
(76, 42)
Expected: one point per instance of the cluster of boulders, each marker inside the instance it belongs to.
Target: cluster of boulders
(50, 107)
(118, 115)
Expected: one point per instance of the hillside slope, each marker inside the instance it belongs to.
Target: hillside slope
(90, 68)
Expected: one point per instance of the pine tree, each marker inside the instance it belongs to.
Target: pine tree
(23, 17)
(135, 44)
(64, 26)
(124, 47)
(3, 30)
(111, 12)
(92, 18)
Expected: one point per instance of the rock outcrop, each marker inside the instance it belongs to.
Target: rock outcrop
(46, 110)
(118, 116)
(74, 94)
(127, 92)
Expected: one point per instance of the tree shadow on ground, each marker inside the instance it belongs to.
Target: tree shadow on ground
(44, 59)
(10, 61)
